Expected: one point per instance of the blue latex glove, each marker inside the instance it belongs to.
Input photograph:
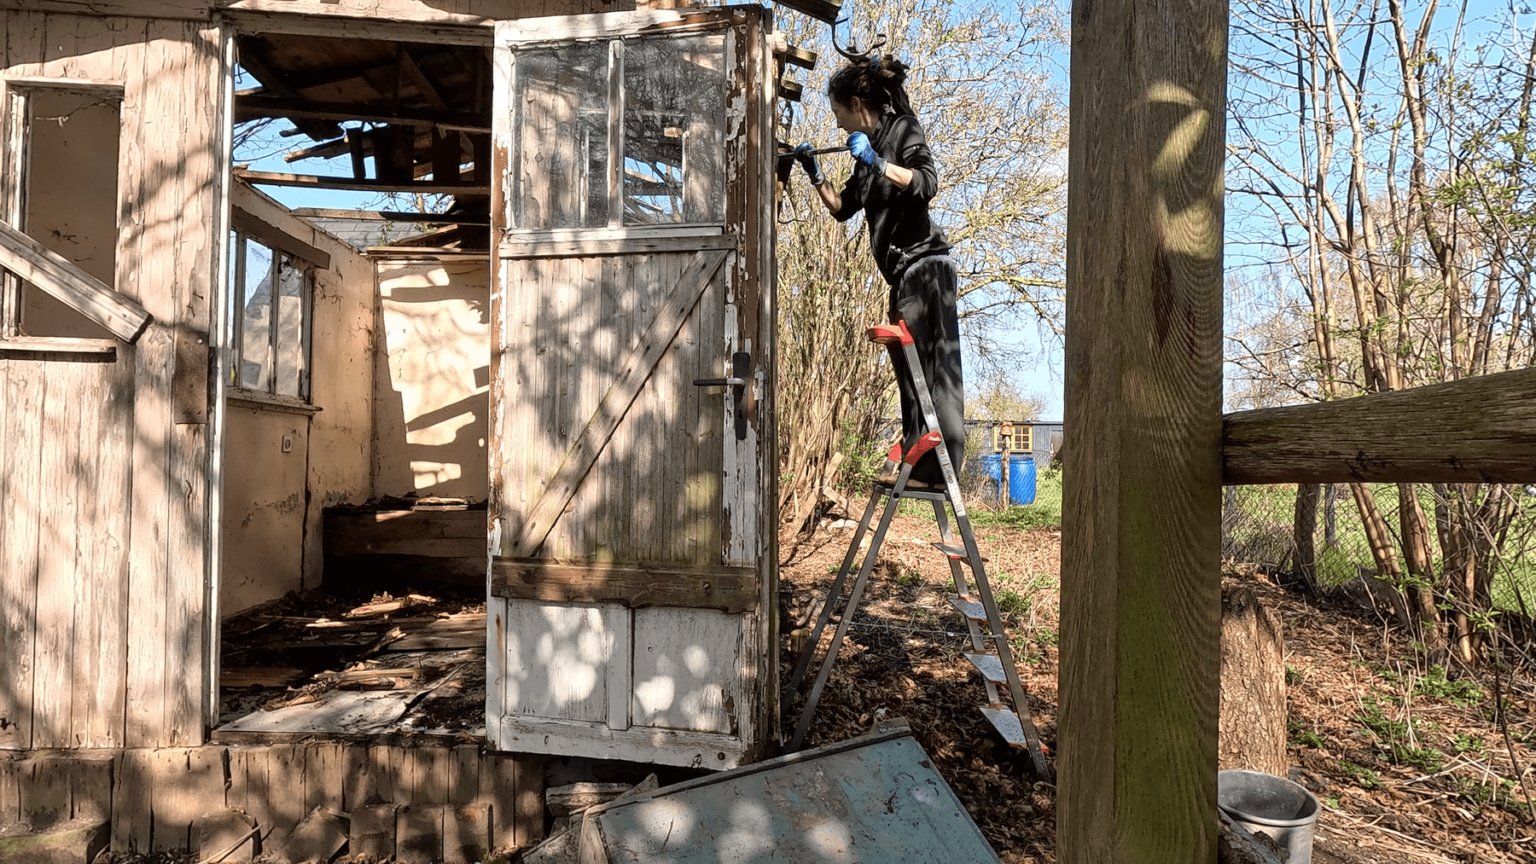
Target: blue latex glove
(862, 150)
(808, 161)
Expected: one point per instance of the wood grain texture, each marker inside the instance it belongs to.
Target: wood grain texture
(70, 285)
(20, 470)
(728, 589)
(1141, 519)
(1475, 430)
(634, 370)
(57, 499)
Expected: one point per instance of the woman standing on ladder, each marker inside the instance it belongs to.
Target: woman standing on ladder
(892, 182)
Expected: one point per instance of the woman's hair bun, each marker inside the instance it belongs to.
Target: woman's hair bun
(893, 70)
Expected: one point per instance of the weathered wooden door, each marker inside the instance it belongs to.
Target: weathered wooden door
(631, 529)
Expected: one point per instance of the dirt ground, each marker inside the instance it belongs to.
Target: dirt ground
(1408, 760)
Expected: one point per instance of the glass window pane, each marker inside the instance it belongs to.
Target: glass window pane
(256, 317)
(674, 129)
(290, 328)
(560, 176)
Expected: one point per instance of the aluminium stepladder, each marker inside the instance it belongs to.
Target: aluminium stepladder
(990, 653)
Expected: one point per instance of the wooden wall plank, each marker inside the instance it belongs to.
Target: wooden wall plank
(10, 789)
(1141, 521)
(24, 395)
(24, 39)
(358, 787)
(90, 786)
(7, 598)
(285, 785)
(58, 498)
(528, 805)
(373, 831)
(466, 833)
(132, 792)
(324, 773)
(498, 788)
(44, 786)
(431, 769)
(116, 458)
(185, 659)
(419, 834)
(85, 656)
(464, 782)
(153, 210)
(188, 781)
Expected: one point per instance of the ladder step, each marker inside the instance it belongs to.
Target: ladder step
(1007, 724)
(970, 607)
(956, 553)
(990, 666)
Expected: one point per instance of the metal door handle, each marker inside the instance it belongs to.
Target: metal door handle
(741, 371)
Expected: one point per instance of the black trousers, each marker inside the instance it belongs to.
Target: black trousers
(925, 299)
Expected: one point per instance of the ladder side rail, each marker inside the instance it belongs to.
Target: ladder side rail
(848, 612)
(834, 594)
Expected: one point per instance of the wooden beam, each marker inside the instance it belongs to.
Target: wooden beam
(270, 178)
(358, 21)
(275, 237)
(253, 58)
(33, 262)
(1476, 430)
(821, 10)
(394, 216)
(729, 589)
(612, 246)
(1141, 520)
(181, 10)
(412, 72)
(253, 107)
(793, 54)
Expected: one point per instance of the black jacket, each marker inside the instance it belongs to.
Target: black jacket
(900, 231)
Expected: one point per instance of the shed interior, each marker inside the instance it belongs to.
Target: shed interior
(355, 459)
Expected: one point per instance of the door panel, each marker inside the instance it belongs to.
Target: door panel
(560, 659)
(626, 200)
(686, 669)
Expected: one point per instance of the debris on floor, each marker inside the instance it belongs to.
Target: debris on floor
(323, 664)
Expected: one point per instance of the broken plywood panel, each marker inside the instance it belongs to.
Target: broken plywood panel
(367, 712)
(873, 798)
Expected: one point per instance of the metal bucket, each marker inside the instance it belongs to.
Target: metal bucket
(1266, 804)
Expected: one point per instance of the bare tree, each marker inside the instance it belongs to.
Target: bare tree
(983, 86)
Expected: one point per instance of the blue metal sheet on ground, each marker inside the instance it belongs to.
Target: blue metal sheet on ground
(871, 799)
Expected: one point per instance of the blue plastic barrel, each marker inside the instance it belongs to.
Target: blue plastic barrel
(1021, 479)
(992, 470)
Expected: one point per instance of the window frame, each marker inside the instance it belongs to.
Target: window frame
(16, 93)
(616, 228)
(238, 240)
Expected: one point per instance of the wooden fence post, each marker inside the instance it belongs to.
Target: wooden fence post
(1141, 604)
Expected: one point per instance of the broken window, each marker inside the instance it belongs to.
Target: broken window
(562, 175)
(668, 133)
(674, 130)
(62, 192)
(272, 291)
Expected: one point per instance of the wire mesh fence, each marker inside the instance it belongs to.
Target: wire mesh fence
(1487, 532)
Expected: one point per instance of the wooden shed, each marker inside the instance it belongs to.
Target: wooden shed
(193, 375)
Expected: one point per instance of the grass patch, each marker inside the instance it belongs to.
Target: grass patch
(1361, 776)
(1435, 685)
